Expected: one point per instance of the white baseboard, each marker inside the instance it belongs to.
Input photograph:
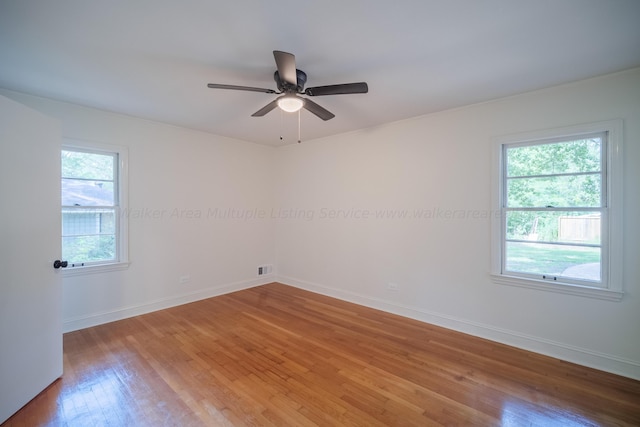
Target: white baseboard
(94, 319)
(580, 356)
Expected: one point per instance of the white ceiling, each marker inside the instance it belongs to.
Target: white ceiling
(154, 58)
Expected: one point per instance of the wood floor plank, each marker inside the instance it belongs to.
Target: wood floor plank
(275, 355)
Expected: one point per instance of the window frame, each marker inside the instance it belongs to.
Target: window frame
(611, 287)
(120, 204)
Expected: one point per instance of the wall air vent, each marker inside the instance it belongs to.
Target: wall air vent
(265, 269)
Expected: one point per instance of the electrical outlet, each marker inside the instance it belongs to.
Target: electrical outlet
(392, 286)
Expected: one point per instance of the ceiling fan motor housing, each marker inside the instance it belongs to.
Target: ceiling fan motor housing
(301, 76)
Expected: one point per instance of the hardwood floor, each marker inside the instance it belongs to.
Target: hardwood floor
(277, 355)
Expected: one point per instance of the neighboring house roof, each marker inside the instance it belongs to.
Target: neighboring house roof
(77, 192)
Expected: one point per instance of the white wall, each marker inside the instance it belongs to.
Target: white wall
(432, 164)
(171, 170)
(439, 163)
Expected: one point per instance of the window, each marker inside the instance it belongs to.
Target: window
(93, 227)
(558, 194)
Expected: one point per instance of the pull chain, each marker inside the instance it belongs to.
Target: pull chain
(299, 140)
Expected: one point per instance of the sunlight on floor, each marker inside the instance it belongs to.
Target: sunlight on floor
(100, 393)
(524, 414)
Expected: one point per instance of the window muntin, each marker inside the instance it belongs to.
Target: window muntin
(90, 207)
(553, 202)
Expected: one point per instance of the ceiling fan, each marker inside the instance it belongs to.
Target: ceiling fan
(290, 83)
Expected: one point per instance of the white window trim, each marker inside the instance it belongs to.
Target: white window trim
(612, 247)
(123, 199)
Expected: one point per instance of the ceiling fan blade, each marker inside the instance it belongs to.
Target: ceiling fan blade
(233, 87)
(341, 89)
(286, 64)
(264, 110)
(319, 111)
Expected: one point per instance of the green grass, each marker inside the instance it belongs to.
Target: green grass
(547, 259)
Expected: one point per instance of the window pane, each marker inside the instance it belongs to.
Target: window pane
(575, 262)
(76, 192)
(554, 226)
(78, 164)
(89, 199)
(555, 158)
(88, 222)
(79, 249)
(557, 191)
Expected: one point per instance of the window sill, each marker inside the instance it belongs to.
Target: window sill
(562, 288)
(93, 269)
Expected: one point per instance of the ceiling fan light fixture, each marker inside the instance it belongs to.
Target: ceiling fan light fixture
(290, 104)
